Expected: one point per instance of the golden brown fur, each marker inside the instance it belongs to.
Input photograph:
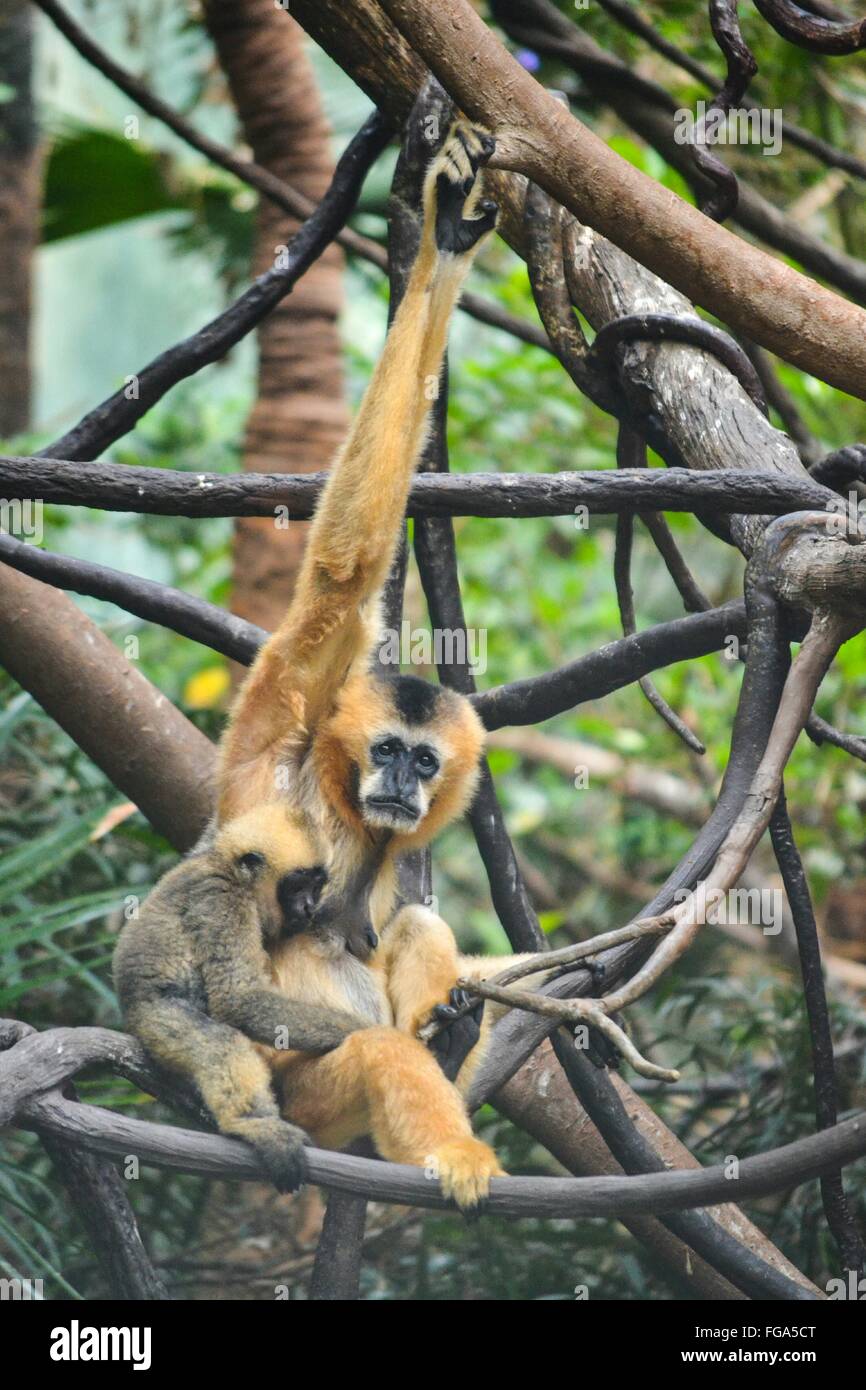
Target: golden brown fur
(308, 701)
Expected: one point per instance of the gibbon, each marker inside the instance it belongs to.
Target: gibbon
(195, 980)
(375, 766)
(379, 765)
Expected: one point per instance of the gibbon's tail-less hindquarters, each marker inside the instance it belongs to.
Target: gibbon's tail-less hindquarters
(386, 1084)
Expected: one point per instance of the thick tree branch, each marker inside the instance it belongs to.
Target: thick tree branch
(98, 1197)
(754, 293)
(107, 706)
(157, 603)
(648, 110)
(180, 1150)
(166, 492)
(591, 677)
(631, 18)
(522, 702)
(540, 1100)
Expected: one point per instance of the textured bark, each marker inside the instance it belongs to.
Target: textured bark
(536, 136)
(540, 1101)
(109, 708)
(19, 212)
(299, 416)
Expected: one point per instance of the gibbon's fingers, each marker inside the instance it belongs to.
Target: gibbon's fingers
(461, 219)
(456, 234)
(465, 150)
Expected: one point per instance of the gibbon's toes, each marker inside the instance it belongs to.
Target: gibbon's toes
(459, 1034)
(464, 1168)
(280, 1148)
(457, 999)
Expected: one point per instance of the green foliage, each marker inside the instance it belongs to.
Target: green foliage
(541, 592)
(96, 179)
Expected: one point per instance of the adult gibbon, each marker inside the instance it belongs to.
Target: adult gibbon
(193, 975)
(376, 766)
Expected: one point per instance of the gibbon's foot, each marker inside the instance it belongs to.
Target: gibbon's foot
(460, 1033)
(462, 218)
(601, 1051)
(280, 1149)
(598, 973)
(464, 1168)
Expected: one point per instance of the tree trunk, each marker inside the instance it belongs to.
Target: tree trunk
(19, 212)
(299, 416)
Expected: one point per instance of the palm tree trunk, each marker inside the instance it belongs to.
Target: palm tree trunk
(20, 167)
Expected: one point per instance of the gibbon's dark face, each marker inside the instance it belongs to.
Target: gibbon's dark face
(395, 794)
(399, 755)
(298, 894)
(404, 758)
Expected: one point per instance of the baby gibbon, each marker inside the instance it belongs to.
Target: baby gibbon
(194, 980)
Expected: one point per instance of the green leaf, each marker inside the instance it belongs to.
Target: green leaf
(94, 179)
(26, 865)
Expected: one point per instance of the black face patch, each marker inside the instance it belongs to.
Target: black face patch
(415, 700)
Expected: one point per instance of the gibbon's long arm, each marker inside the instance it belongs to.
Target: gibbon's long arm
(331, 625)
(233, 1080)
(235, 979)
(266, 1016)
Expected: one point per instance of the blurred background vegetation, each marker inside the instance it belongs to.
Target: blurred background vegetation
(141, 241)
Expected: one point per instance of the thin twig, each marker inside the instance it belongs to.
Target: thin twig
(693, 597)
(741, 68)
(580, 951)
(572, 1012)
